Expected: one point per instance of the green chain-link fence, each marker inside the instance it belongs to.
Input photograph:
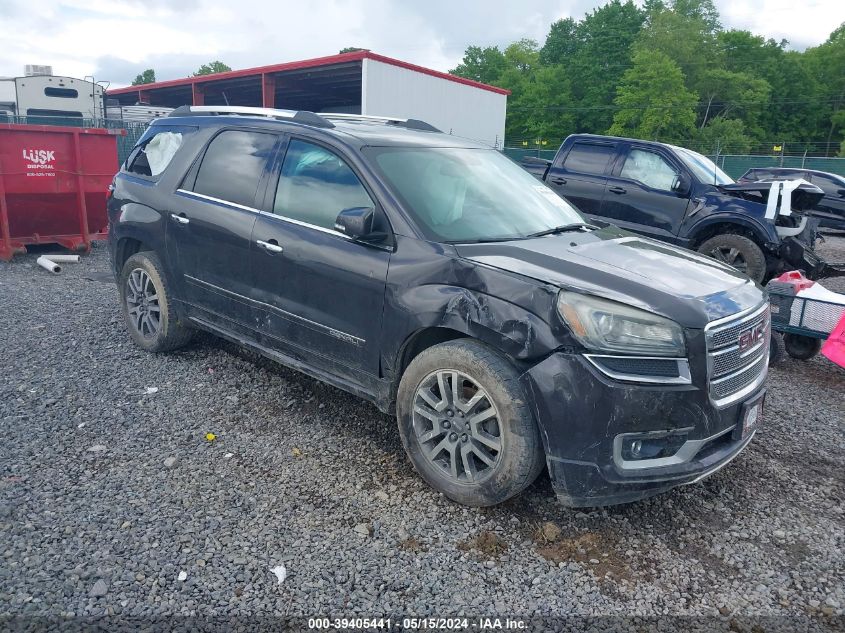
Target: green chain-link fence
(732, 164)
(735, 165)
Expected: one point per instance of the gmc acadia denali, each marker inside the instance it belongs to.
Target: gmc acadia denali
(439, 280)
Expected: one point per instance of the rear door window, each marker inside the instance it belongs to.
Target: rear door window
(233, 165)
(589, 158)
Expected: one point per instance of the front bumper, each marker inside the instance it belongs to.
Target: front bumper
(583, 416)
(796, 253)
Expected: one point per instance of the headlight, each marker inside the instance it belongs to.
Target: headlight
(607, 326)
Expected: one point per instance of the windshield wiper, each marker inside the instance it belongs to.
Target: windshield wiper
(482, 240)
(563, 228)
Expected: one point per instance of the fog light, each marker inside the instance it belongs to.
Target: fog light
(652, 447)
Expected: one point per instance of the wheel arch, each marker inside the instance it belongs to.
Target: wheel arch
(126, 247)
(752, 230)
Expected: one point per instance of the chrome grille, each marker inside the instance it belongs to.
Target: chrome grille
(732, 383)
(735, 372)
(728, 359)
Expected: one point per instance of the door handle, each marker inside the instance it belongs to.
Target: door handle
(617, 190)
(179, 219)
(559, 181)
(271, 247)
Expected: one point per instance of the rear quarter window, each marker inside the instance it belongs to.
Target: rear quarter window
(155, 152)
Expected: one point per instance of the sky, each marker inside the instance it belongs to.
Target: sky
(114, 40)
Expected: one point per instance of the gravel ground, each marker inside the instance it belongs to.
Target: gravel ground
(113, 500)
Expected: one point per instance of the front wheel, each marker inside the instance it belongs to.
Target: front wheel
(737, 251)
(465, 424)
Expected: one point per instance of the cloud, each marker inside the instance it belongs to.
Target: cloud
(802, 24)
(114, 40)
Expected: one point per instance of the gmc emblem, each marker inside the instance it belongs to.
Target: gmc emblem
(750, 337)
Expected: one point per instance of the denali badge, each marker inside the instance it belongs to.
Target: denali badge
(750, 337)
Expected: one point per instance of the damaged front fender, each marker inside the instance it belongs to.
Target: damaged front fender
(508, 312)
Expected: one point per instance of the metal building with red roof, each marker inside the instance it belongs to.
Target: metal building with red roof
(359, 82)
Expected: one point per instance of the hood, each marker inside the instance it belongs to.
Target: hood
(806, 196)
(681, 285)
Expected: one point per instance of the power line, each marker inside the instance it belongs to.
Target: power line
(715, 105)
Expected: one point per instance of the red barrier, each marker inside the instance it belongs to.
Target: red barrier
(53, 185)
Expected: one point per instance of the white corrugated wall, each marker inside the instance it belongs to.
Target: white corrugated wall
(456, 108)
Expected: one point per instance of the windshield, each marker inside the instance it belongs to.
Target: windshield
(704, 169)
(466, 195)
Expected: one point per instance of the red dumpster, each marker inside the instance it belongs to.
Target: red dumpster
(53, 183)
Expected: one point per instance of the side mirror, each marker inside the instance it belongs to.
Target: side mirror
(356, 222)
(842, 193)
(682, 184)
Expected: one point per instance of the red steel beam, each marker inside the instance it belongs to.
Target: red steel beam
(308, 63)
(197, 95)
(268, 91)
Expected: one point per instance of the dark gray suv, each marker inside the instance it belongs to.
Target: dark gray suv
(437, 279)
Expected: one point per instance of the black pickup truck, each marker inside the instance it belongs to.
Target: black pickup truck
(679, 196)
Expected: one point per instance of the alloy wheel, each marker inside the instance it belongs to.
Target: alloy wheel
(457, 426)
(142, 303)
(731, 256)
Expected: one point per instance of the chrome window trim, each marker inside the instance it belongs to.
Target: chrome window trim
(228, 203)
(683, 378)
(322, 229)
(268, 214)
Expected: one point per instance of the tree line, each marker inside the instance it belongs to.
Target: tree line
(149, 75)
(668, 71)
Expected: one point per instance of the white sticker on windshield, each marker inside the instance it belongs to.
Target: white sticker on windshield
(551, 196)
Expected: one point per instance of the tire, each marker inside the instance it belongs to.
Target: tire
(737, 251)
(775, 349)
(144, 292)
(801, 347)
(467, 468)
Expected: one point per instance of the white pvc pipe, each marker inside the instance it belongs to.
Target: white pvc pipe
(48, 264)
(64, 259)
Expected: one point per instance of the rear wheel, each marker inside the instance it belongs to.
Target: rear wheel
(465, 424)
(737, 251)
(801, 347)
(147, 308)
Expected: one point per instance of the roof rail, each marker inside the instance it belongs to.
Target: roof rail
(298, 116)
(411, 124)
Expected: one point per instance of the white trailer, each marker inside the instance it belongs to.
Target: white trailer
(50, 96)
(135, 113)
